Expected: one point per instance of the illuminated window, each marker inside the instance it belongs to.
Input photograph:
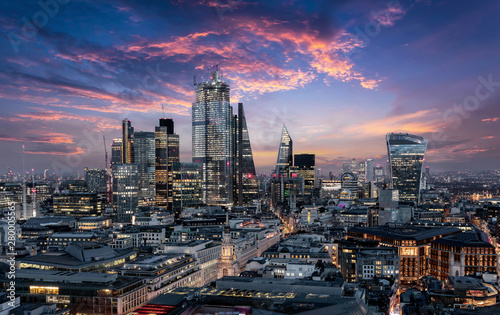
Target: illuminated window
(43, 290)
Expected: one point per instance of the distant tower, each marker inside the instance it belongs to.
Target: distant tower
(369, 170)
(285, 154)
(354, 167)
(128, 140)
(406, 155)
(228, 266)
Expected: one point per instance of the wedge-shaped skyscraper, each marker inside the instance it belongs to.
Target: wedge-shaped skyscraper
(245, 179)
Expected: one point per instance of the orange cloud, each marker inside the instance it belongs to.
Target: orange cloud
(423, 121)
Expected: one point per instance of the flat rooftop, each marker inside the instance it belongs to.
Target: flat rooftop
(406, 232)
(465, 239)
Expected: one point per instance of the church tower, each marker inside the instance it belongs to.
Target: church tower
(228, 266)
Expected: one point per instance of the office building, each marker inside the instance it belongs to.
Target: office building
(96, 180)
(187, 186)
(349, 186)
(144, 155)
(77, 204)
(354, 166)
(127, 142)
(406, 155)
(413, 245)
(212, 138)
(125, 191)
(369, 175)
(285, 154)
(304, 166)
(116, 151)
(378, 173)
(166, 155)
(245, 179)
(462, 254)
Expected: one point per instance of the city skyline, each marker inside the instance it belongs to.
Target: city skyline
(337, 93)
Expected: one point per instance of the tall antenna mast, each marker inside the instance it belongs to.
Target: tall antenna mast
(163, 109)
(24, 185)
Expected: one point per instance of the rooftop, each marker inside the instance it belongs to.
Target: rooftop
(465, 239)
(405, 232)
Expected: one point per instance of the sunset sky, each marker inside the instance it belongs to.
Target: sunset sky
(339, 74)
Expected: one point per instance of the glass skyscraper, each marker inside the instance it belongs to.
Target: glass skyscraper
(285, 154)
(406, 155)
(125, 191)
(245, 179)
(144, 156)
(166, 155)
(127, 142)
(212, 139)
(304, 165)
(116, 151)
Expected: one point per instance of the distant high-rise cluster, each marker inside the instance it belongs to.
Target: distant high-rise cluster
(222, 145)
(222, 172)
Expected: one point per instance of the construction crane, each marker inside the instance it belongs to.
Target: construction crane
(107, 178)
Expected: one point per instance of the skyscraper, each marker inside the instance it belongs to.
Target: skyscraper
(144, 156)
(285, 154)
(125, 191)
(127, 140)
(280, 198)
(349, 186)
(245, 179)
(166, 155)
(369, 170)
(212, 138)
(406, 155)
(354, 166)
(304, 165)
(378, 173)
(116, 151)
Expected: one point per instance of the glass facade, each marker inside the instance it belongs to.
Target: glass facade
(116, 151)
(285, 154)
(212, 139)
(187, 186)
(127, 142)
(77, 204)
(304, 165)
(245, 179)
(96, 180)
(144, 155)
(125, 191)
(406, 156)
(167, 154)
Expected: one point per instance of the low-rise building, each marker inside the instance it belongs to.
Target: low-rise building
(79, 257)
(462, 255)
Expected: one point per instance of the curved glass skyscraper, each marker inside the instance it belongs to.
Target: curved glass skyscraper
(212, 139)
(406, 155)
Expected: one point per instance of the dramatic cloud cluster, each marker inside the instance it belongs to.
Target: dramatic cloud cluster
(339, 74)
